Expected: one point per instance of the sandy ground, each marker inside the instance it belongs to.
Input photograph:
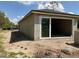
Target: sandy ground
(22, 44)
(54, 43)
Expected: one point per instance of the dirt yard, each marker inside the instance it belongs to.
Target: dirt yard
(15, 41)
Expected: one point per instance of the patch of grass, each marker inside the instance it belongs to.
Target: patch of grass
(1, 44)
(5, 54)
(11, 54)
(3, 31)
(1, 41)
(21, 53)
(1, 36)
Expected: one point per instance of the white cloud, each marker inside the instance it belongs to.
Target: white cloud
(44, 5)
(60, 6)
(41, 6)
(48, 5)
(20, 17)
(25, 2)
(70, 12)
(16, 20)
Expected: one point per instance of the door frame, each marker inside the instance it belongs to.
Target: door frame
(41, 28)
(40, 18)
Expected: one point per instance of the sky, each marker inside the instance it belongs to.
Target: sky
(15, 10)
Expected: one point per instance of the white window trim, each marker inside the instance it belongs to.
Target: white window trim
(41, 28)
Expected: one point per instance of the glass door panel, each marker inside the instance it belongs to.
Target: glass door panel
(45, 27)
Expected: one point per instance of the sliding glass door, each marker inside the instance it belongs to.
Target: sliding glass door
(45, 27)
(51, 27)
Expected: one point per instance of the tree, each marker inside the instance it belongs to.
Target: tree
(4, 21)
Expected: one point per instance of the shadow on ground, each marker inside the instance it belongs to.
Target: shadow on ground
(18, 36)
(73, 44)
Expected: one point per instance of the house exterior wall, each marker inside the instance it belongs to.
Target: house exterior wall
(76, 37)
(27, 26)
(37, 25)
(31, 25)
(76, 33)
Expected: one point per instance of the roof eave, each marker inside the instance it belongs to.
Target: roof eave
(48, 13)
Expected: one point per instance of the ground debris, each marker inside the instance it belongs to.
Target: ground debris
(67, 50)
(54, 48)
(40, 51)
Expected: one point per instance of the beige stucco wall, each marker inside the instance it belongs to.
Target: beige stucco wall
(76, 33)
(27, 26)
(76, 37)
(36, 27)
